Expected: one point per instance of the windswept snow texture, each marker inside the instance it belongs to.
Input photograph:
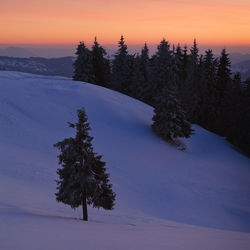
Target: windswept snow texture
(166, 199)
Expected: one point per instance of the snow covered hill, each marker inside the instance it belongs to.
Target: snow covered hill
(166, 199)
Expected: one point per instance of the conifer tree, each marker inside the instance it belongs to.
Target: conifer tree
(185, 63)
(182, 57)
(136, 77)
(121, 69)
(145, 62)
(146, 86)
(169, 120)
(161, 64)
(83, 67)
(191, 97)
(140, 76)
(224, 74)
(82, 176)
(179, 61)
(194, 53)
(101, 67)
(176, 70)
(208, 91)
(223, 92)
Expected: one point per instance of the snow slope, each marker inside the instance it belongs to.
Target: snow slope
(166, 199)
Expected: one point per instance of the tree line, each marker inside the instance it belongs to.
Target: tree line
(182, 85)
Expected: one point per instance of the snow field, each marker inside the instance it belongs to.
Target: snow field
(166, 199)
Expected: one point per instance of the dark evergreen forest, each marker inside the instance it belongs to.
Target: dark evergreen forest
(177, 82)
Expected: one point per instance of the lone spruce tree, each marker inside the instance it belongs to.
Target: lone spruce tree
(82, 176)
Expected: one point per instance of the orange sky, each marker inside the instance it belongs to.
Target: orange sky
(225, 22)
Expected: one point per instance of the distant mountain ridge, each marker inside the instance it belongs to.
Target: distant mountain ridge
(238, 57)
(243, 67)
(62, 66)
(17, 52)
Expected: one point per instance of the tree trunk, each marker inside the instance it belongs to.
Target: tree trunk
(84, 206)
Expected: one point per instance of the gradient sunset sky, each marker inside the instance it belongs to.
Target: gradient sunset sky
(214, 22)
